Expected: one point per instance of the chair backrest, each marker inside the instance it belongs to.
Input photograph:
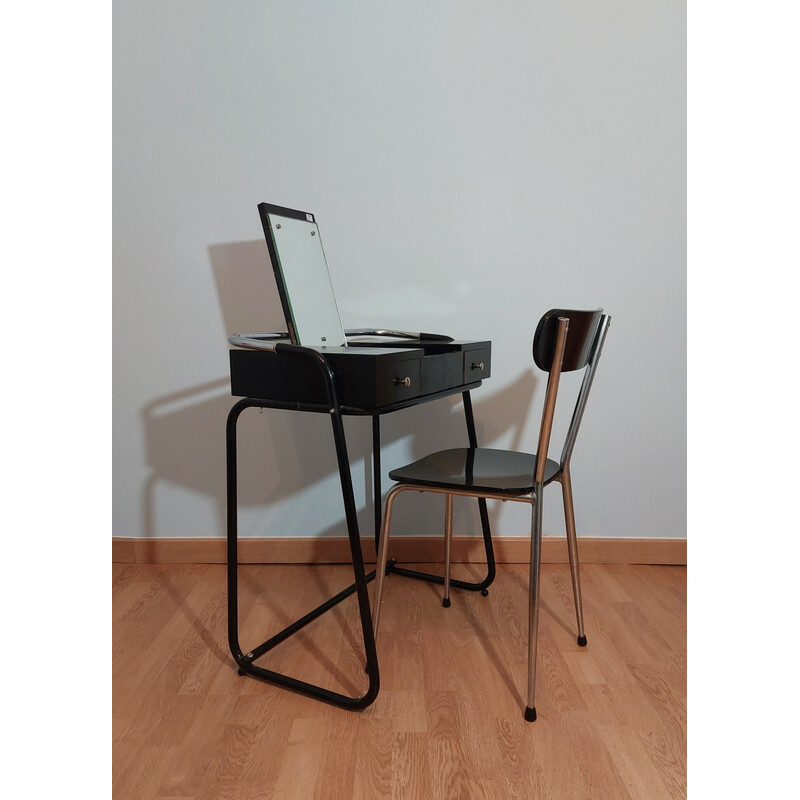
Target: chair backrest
(566, 340)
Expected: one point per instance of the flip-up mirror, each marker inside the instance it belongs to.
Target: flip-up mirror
(301, 272)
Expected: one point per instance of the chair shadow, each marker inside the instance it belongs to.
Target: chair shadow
(485, 642)
(544, 606)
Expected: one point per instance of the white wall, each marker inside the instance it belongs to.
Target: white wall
(470, 165)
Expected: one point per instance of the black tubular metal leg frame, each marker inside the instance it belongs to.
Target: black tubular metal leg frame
(481, 587)
(245, 660)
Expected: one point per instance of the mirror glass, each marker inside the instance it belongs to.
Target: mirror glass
(307, 291)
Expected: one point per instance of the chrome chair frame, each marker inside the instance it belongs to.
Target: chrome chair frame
(534, 497)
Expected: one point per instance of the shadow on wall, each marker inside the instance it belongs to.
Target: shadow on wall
(248, 296)
(282, 453)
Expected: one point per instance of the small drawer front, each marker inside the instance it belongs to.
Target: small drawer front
(477, 364)
(399, 381)
(441, 371)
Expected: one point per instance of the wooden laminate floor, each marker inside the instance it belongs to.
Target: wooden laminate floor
(448, 720)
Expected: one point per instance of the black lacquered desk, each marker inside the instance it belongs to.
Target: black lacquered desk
(364, 380)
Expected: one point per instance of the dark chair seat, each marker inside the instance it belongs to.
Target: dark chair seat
(479, 469)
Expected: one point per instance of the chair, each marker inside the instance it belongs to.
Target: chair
(564, 341)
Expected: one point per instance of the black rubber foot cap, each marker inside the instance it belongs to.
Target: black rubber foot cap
(530, 714)
(582, 641)
(484, 592)
(446, 602)
(240, 671)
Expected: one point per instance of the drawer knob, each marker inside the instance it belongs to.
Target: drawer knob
(402, 381)
(478, 365)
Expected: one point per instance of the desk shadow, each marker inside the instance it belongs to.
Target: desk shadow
(203, 631)
(280, 453)
(283, 453)
(248, 295)
(305, 637)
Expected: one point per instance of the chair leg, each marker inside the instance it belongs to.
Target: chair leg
(533, 604)
(383, 552)
(572, 546)
(448, 543)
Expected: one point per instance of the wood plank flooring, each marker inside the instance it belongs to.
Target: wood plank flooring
(448, 720)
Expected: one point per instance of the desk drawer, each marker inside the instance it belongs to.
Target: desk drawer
(441, 371)
(367, 378)
(397, 381)
(477, 364)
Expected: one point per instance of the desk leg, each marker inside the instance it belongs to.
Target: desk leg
(245, 660)
(491, 570)
(484, 514)
(376, 478)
